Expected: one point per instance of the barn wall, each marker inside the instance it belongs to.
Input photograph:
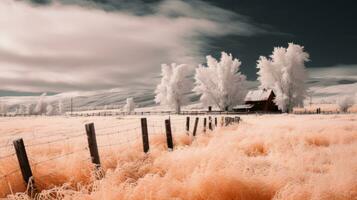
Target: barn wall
(264, 106)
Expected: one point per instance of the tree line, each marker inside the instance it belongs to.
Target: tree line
(220, 82)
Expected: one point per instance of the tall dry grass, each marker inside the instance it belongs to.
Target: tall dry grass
(277, 157)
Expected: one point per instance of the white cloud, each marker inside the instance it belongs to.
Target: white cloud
(334, 72)
(327, 84)
(63, 48)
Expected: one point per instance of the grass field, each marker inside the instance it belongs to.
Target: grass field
(263, 157)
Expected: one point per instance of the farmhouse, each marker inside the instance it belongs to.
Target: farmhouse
(261, 100)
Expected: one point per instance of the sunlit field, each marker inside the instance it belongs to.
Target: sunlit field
(263, 157)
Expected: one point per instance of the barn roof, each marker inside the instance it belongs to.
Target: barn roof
(258, 95)
(244, 106)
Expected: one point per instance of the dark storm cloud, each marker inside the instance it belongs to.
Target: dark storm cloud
(327, 30)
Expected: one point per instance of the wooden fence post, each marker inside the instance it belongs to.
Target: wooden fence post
(195, 127)
(24, 164)
(229, 120)
(187, 124)
(237, 119)
(170, 143)
(204, 124)
(92, 144)
(210, 123)
(144, 131)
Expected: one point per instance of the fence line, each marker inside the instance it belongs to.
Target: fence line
(122, 136)
(307, 112)
(162, 113)
(145, 113)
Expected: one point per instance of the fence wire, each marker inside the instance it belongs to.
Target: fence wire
(66, 142)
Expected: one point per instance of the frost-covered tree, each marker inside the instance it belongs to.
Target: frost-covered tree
(284, 72)
(174, 86)
(3, 108)
(22, 109)
(345, 102)
(220, 83)
(30, 109)
(60, 107)
(130, 105)
(50, 110)
(41, 105)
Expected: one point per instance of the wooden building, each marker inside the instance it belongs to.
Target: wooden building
(261, 100)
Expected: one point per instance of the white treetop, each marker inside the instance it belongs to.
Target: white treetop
(220, 83)
(130, 105)
(174, 86)
(345, 102)
(284, 72)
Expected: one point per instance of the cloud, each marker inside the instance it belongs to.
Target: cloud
(327, 84)
(334, 72)
(72, 45)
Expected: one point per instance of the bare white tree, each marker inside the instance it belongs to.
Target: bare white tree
(345, 102)
(22, 109)
(220, 83)
(174, 87)
(3, 107)
(41, 105)
(284, 72)
(50, 110)
(60, 107)
(29, 109)
(130, 105)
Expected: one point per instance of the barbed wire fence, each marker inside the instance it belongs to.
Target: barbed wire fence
(43, 153)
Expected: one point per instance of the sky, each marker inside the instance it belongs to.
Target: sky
(89, 45)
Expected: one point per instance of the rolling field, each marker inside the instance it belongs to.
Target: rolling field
(263, 157)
